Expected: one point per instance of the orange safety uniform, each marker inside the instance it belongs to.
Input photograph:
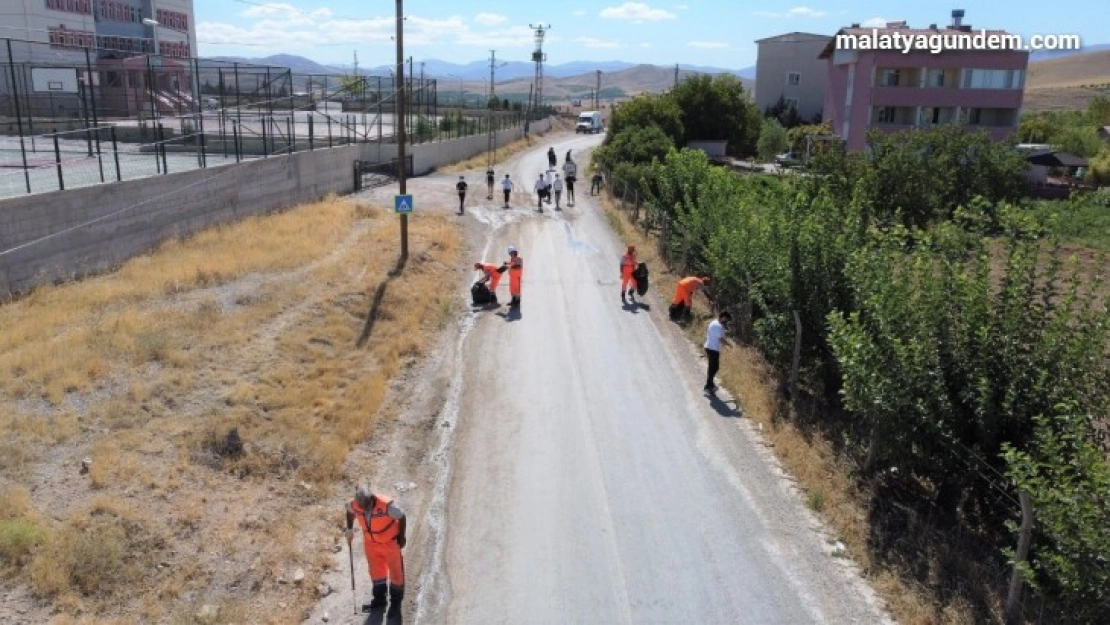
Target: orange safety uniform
(628, 265)
(516, 272)
(686, 289)
(493, 275)
(379, 541)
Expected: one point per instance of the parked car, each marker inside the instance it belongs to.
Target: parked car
(788, 159)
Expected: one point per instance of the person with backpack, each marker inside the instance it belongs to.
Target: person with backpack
(552, 159)
(489, 183)
(460, 186)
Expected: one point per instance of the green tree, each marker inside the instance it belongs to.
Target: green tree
(772, 140)
(635, 146)
(717, 107)
(920, 177)
(352, 85)
(1036, 129)
(647, 110)
(1098, 112)
(1078, 140)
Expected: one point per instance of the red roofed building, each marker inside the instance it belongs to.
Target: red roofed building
(874, 82)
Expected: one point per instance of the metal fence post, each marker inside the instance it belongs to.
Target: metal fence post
(311, 146)
(115, 154)
(162, 146)
(58, 163)
(18, 117)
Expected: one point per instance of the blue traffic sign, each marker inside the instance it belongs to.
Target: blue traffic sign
(402, 203)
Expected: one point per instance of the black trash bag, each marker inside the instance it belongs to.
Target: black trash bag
(678, 311)
(480, 294)
(640, 275)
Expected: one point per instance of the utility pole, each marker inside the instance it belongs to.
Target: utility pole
(538, 57)
(399, 126)
(676, 74)
(597, 92)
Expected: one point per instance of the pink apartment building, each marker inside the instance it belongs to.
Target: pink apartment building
(893, 91)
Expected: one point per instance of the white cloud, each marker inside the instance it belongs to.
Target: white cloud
(593, 42)
(489, 19)
(645, 44)
(683, 7)
(875, 22)
(636, 12)
(282, 28)
(578, 12)
(707, 44)
(802, 11)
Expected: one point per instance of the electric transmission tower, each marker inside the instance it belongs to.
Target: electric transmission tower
(538, 57)
(491, 139)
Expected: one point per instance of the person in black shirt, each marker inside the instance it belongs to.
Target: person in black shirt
(461, 188)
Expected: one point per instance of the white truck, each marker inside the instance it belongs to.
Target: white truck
(589, 122)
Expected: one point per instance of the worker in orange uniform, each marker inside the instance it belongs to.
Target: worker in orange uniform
(628, 265)
(491, 276)
(516, 272)
(383, 538)
(684, 296)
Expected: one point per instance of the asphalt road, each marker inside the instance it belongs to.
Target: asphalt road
(590, 480)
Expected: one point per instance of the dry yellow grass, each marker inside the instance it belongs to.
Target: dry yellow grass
(254, 326)
(810, 460)
(1077, 70)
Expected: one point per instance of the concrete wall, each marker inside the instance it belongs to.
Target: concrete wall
(65, 234)
(780, 56)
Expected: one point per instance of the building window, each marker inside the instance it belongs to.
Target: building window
(793, 79)
(994, 79)
(890, 77)
(935, 78)
(83, 7)
(790, 103)
(886, 114)
(975, 116)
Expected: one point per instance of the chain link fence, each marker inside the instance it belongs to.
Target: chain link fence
(108, 118)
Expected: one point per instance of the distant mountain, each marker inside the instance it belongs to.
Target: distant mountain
(1044, 55)
(298, 64)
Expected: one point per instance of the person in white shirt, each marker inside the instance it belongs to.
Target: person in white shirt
(714, 339)
(570, 174)
(557, 187)
(541, 190)
(550, 182)
(507, 188)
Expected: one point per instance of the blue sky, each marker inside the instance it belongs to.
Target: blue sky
(718, 33)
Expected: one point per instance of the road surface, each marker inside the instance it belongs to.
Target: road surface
(588, 479)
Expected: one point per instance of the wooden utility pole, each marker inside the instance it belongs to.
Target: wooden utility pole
(399, 125)
(676, 74)
(597, 92)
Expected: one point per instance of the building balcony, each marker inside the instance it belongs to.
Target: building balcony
(946, 97)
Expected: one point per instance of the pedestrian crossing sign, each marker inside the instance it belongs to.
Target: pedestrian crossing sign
(402, 203)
